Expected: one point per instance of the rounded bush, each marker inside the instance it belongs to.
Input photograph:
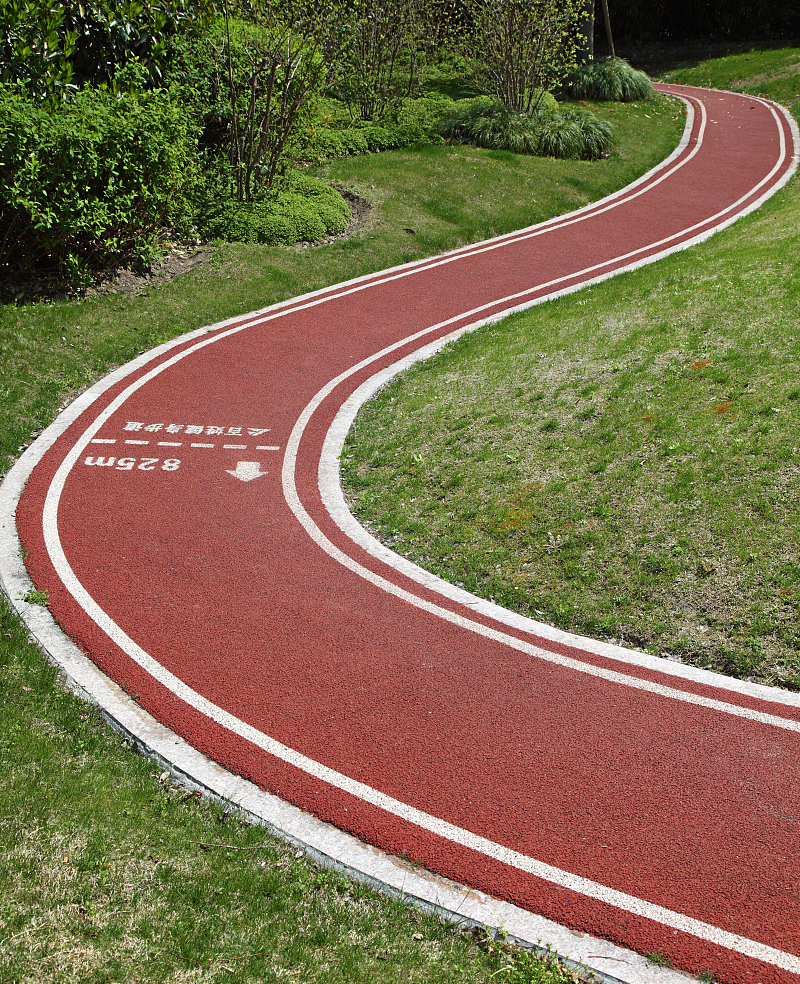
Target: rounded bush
(98, 175)
(610, 80)
(303, 210)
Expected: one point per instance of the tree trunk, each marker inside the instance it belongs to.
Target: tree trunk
(586, 53)
(608, 29)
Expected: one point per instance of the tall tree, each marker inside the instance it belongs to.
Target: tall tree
(275, 57)
(521, 48)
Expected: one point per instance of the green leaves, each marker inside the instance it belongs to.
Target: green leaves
(99, 168)
(551, 132)
(610, 80)
(53, 50)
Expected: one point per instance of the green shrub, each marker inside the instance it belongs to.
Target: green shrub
(496, 127)
(574, 133)
(331, 142)
(96, 176)
(417, 122)
(53, 49)
(303, 209)
(548, 132)
(610, 80)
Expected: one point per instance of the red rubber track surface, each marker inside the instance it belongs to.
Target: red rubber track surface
(595, 792)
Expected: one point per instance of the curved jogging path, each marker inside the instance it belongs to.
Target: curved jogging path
(186, 520)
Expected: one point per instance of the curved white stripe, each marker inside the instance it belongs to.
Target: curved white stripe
(467, 839)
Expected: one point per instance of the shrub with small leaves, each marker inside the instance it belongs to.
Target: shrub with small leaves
(92, 177)
(416, 123)
(302, 209)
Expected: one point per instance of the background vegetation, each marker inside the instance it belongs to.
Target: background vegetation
(124, 124)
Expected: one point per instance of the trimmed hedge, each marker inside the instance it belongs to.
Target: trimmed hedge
(96, 176)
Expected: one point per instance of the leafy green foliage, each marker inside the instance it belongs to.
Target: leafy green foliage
(96, 176)
(519, 49)
(378, 76)
(113, 34)
(574, 134)
(272, 65)
(417, 122)
(304, 209)
(551, 132)
(610, 80)
(36, 48)
(55, 49)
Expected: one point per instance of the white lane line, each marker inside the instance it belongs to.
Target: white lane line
(137, 442)
(329, 456)
(334, 501)
(103, 440)
(170, 444)
(467, 839)
(201, 445)
(267, 447)
(234, 447)
(419, 818)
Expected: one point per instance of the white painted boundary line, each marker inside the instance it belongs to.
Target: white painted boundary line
(16, 584)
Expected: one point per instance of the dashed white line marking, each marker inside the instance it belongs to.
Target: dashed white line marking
(201, 445)
(104, 440)
(266, 447)
(170, 444)
(137, 442)
(234, 447)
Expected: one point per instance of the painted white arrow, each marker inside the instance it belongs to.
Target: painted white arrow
(247, 470)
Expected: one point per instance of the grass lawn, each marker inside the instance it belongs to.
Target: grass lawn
(105, 877)
(622, 462)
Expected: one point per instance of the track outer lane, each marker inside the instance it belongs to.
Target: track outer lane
(307, 484)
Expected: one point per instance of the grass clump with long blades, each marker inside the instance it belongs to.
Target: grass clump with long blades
(569, 134)
(610, 80)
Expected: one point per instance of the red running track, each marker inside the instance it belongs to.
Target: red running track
(191, 534)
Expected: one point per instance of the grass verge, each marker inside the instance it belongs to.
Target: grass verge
(105, 876)
(622, 462)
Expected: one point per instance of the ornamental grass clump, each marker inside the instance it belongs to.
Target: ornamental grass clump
(546, 132)
(574, 134)
(610, 80)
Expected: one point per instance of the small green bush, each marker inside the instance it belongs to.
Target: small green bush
(496, 127)
(610, 80)
(417, 123)
(548, 132)
(303, 209)
(574, 133)
(95, 176)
